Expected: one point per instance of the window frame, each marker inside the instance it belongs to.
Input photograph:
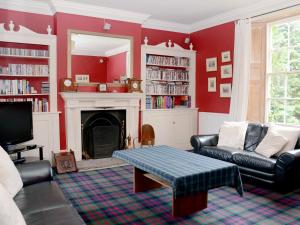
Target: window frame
(269, 51)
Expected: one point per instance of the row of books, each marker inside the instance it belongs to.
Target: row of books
(160, 102)
(167, 60)
(45, 88)
(171, 88)
(14, 87)
(24, 52)
(38, 105)
(156, 73)
(25, 69)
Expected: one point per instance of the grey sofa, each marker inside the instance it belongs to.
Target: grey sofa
(40, 200)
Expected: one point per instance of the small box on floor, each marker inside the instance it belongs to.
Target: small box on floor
(65, 162)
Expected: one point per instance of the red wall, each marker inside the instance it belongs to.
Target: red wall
(82, 64)
(210, 43)
(65, 22)
(116, 66)
(158, 36)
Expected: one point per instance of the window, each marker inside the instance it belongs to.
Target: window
(283, 72)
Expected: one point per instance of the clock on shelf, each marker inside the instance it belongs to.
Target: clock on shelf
(134, 85)
(67, 84)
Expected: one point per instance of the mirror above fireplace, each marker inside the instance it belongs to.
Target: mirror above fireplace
(105, 58)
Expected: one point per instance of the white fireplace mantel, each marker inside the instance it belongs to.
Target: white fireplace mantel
(75, 102)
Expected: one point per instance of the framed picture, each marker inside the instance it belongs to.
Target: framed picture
(226, 71)
(211, 64)
(82, 78)
(212, 84)
(65, 162)
(102, 87)
(225, 90)
(226, 56)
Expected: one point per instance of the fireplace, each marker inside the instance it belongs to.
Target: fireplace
(78, 102)
(103, 131)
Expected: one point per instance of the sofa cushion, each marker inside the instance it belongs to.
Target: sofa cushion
(252, 137)
(40, 197)
(254, 161)
(9, 212)
(9, 175)
(66, 215)
(271, 144)
(222, 153)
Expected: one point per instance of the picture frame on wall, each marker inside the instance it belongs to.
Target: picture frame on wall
(212, 84)
(82, 78)
(225, 56)
(102, 87)
(225, 90)
(226, 71)
(211, 64)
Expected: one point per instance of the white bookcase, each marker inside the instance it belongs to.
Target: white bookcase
(168, 104)
(28, 73)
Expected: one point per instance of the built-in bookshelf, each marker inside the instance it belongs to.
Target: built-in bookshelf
(28, 68)
(168, 75)
(168, 83)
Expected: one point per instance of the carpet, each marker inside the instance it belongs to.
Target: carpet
(105, 197)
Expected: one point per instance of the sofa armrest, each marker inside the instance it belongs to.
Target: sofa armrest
(198, 141)
(288, 166)
(35, 172)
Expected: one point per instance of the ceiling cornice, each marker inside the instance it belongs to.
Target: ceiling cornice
(165, 25)
(241, 13)
(40, 7)
(50, 7)
(97, 11)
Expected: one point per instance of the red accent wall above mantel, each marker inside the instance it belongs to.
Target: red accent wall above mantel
(210, 43)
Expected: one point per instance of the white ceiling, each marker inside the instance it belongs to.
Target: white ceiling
(185, 12)
(91, 45)
(173, 15)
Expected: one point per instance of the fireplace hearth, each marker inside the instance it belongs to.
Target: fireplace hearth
(103, 132)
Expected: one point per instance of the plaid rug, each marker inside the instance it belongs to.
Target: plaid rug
(105, 197)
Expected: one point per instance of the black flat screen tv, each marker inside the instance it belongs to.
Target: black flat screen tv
(15, 123)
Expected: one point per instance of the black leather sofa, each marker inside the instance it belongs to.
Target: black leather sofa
(40, 200)
(282, 173)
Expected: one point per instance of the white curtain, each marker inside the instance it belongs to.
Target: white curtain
(241, 70)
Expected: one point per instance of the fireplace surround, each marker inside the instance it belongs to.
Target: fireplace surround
(77, 102)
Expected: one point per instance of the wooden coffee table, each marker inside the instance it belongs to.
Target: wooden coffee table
(189, 175)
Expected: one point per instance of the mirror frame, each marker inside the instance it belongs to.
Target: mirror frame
(69, 53)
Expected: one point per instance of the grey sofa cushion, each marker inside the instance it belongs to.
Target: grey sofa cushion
(222, 153)
(40, 197)
(254, 161)
(253, 135)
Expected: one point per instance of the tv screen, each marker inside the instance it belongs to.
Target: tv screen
(15, 123)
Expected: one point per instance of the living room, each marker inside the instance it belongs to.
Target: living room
(81, 81)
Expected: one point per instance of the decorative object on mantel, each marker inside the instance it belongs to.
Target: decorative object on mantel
(102, 87)
(225, 90)
(67, 84)
(134, 85)
(65, 162)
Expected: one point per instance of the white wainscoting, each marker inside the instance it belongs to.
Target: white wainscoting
(209, 123)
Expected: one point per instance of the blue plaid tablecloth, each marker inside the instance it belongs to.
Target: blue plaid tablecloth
(186, 172)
